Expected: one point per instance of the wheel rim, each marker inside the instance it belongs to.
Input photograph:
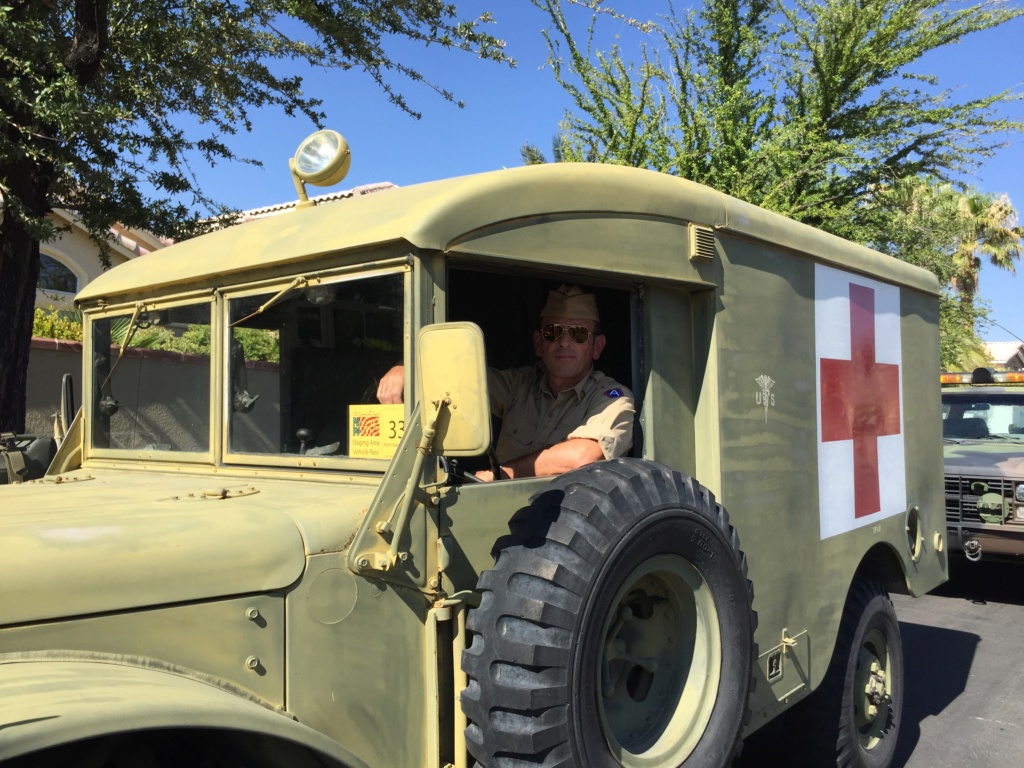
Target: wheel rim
(660, 669)
(873, 689)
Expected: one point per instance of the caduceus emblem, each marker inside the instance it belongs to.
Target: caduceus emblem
(765, 396)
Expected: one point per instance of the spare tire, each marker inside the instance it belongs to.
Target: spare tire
(615, 628)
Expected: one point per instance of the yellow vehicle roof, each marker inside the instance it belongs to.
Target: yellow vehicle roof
(622, 220)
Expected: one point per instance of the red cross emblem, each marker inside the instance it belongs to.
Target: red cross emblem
(860, 400)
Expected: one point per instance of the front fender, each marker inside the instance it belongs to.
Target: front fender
(48, 702)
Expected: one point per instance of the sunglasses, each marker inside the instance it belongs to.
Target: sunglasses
(553, 332)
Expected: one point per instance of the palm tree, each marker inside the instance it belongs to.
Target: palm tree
(949, 231)
(990, 228)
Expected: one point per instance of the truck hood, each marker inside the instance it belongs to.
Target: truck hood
(111, 539)
(984, 458)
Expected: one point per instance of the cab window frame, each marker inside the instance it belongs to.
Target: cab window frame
(93, 386)
(323, 278)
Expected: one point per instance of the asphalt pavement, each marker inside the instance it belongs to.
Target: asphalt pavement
(964, 659)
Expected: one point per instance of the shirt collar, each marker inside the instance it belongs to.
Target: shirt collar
(544, 389)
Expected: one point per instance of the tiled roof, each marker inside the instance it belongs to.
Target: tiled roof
(1001, 352)
(270, 210)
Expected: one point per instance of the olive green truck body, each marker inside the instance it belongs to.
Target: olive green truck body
(242, 557)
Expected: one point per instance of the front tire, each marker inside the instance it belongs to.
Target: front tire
(615, 628)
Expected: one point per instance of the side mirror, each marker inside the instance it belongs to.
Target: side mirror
(67, 404)
(453, 388)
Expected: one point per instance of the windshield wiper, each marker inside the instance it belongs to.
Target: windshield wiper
(294, 285)
(108, 403)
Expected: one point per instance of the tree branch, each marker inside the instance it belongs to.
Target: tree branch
(90, 41)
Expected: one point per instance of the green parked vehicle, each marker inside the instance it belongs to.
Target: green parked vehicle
(983, 446)
(242, 558)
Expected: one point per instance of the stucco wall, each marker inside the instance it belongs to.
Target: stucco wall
(48, 361)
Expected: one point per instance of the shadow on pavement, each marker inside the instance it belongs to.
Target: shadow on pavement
(937, 664)
(988, 581)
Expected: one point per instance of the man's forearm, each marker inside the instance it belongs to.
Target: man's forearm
(563, 457)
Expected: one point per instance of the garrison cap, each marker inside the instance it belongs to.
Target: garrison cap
(571, 302)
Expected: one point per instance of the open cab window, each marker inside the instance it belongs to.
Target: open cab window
(151, 381)
(507, 304)
(303, 365)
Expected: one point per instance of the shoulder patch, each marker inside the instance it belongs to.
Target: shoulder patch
(614, 393)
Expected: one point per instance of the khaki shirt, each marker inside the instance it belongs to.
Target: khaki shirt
(533, 418)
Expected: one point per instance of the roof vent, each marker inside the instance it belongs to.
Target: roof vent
(702, 244)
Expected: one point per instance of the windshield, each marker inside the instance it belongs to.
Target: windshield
(304, 363)
(151, 380)
(983, 415)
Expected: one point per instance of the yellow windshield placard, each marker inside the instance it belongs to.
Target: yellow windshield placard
(374, 430)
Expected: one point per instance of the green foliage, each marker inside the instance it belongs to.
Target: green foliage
(53, 323)
(110, 101)
(960, 349)
(194, 340)
(941, 227)
(946, 230)
(811, 109)
(801, 107)
(105, 105)
(257, 344)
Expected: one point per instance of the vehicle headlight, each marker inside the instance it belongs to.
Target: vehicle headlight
(1018, 493)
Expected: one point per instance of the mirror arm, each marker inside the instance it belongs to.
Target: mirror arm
(408, 497)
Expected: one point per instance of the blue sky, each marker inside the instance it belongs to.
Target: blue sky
(506, 108)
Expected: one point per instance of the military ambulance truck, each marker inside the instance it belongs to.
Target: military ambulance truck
(239, 557)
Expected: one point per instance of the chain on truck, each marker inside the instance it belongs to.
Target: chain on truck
(238, 556)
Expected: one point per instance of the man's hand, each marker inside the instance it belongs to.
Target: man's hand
(391, 387)
(506, 473)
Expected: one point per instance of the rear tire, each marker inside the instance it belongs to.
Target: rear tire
(853, 719)
(615, 628)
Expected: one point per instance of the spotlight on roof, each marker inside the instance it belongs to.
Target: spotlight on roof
(322, 160)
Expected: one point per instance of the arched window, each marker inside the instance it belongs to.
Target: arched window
(54, 276)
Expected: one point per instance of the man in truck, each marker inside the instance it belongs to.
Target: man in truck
(560, 413)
